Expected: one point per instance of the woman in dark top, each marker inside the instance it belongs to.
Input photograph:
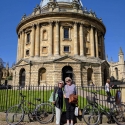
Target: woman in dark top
(59, 101)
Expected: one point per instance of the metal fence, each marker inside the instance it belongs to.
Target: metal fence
(10, 97)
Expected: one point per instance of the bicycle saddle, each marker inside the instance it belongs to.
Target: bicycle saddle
(38, 99)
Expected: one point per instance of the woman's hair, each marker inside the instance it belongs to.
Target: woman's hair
(108, 81)
(60, 82)
(68, 79)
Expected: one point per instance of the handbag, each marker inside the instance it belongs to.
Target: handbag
(73, 98)
(76, 112)
(51, 97)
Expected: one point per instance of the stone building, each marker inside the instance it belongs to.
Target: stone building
(60, 38)
(117, 69)
(7, 72)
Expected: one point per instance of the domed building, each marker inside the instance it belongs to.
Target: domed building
(60, 38)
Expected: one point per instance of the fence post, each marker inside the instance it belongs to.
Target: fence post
(6, 99)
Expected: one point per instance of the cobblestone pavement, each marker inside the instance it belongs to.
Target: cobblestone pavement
(34, 123)
(3, 121)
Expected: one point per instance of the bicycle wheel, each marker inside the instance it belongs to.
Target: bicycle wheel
(91, 115)
(119, 114)
(14, 115)
(44, 113)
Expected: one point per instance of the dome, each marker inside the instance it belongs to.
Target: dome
(44, 2)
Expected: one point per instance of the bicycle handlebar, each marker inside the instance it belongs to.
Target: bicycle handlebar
(23, 96)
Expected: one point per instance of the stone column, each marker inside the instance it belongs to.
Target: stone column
(37, 41)
(57, 39)
(103, 48)
(50, 38)
(92, 42)
(96, 42)
(81, 40)
(25, 44)
(75, 39)
(32, 40)
(22, 44)
(18, 48)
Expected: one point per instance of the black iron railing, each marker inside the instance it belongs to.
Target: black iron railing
(10, 97)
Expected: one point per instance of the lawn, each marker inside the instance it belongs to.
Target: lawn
(14, 98)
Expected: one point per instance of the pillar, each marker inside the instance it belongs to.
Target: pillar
(22, 44)
(75, 39)
(96, 42)
(92, 42)
(103, 48)
(81, 40)
(57, 39)
(50, 38)
(32, 40)
(37, 41)
(18, 48)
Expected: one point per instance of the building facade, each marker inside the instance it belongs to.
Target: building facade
(60, 39)
(117, 69)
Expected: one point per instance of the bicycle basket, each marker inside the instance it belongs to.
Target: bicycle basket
(90, 99)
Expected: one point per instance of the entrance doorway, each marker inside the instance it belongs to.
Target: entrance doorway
(22, 78)
(67, 71)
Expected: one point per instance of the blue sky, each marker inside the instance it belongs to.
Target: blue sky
(112, 13)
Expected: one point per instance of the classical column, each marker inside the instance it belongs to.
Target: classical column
(92, 41)
(81, 40)
(37, 41)
(32, 40)
(25, 41)
(103, 48)
(57, 39)
(96, 42)
(18, 48)
(50, 39)
(75, 39)
(22, 44)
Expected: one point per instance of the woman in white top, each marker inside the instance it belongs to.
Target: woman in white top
(107, 89)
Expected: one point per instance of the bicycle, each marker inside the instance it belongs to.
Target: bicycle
(43, 112)
(93, 111)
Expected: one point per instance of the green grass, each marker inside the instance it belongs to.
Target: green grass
(14, 98)
(102, 91)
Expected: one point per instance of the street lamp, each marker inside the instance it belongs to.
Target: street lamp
(30, 64)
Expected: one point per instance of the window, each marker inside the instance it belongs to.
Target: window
(87, 50)
(99, 54)
(66, 33)
(44, 35)
(66, 48)
(27, 52)
(28, 38)
(99, 41)
(44, 50)
(41, 75)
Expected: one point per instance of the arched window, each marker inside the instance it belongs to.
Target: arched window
(44, 35)
(89, 75)
(22, 78)
(116, 73)
(41, 75)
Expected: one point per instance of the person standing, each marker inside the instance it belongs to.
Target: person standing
(107, 89)
(59, 101)
(69, 88)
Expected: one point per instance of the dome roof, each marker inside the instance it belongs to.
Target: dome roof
(44, 2)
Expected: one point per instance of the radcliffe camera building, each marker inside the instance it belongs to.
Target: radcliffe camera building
(60, 38)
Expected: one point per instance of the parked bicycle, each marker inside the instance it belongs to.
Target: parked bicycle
(43, 112)
(93, 111)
